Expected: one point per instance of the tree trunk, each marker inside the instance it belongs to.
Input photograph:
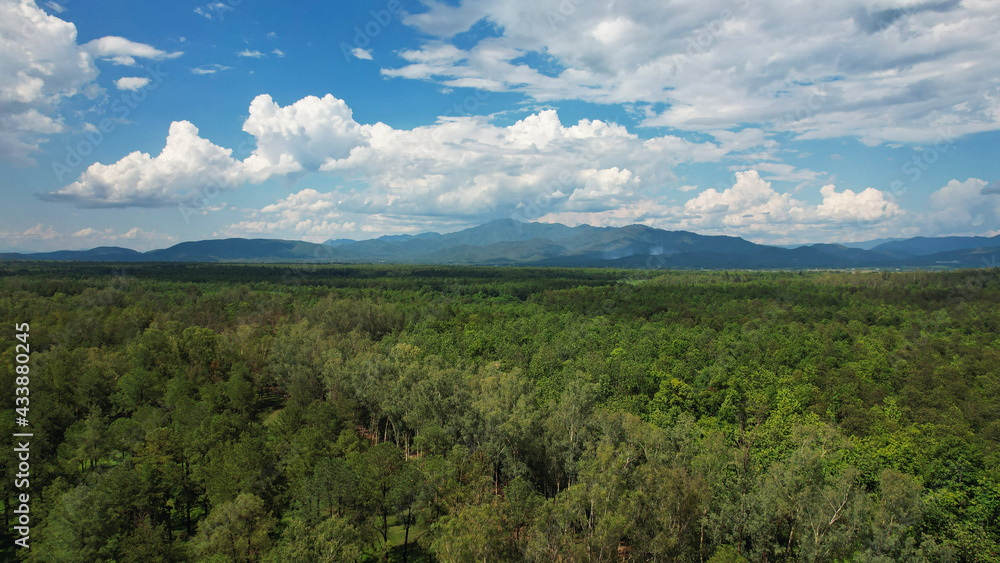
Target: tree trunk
(406, 534)
(788, 550)
(701, 539)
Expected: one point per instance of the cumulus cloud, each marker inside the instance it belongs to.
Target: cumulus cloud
(300, 137)
(963, 208)
(902, 72)
(750, 201)
(186, 164)
(251, 54)
(467, 166)
(132, 83)
(867, 205)
(753, 208)
(289, 140)
(42, 65)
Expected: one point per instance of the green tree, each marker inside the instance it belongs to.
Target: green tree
(237, 531)
(332, 540)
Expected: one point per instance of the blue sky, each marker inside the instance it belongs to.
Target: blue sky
(147, 124)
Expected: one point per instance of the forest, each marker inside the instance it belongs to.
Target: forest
(306, 413)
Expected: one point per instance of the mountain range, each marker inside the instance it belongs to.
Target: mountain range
(510, 242)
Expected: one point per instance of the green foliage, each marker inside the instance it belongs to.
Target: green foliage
(406, 413)
(237, 530)
(331, 540)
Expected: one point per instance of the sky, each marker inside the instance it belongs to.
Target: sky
(146, 124)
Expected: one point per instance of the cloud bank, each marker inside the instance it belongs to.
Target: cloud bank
(461, 171)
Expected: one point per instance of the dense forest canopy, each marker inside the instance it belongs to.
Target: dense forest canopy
(339, 413)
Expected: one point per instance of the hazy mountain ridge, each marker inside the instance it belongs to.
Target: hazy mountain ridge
(509, 242)
(923, 246)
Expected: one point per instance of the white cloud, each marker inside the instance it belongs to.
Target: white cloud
(213, 10)
(108, 235)
(41, 65)
(753, 209)
(750, 201)
(908, 73)
(45, 238)
(251, 54)
(963, 208)
(307, 213)
(867, 205)
(467, 166)
(364, 54)
(187, 163)
(88, 232)
(278, 53)
(209, 69)
(40, 232)
(300, 137)
(123, 51)
(778, 171)
(132, 83)
(134, 233)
